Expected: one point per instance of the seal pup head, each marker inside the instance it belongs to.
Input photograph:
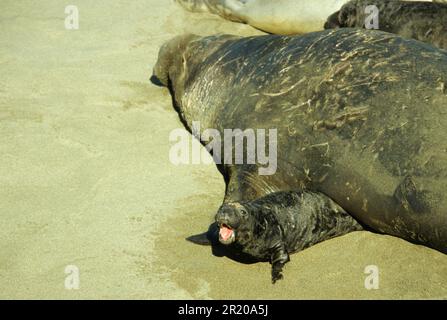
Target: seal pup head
(229, 218)
(233, 222)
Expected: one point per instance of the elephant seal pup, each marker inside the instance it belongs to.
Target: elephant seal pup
(423, 21)
(279, 17)
(360, 116)
(281, 223)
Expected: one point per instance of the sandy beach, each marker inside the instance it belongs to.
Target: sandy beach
(85, 178)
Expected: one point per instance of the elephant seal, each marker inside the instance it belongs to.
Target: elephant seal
(360, 117)
(272, 227)
(423, 21)
(284, 17)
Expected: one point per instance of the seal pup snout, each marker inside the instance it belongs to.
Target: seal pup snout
(228, 218)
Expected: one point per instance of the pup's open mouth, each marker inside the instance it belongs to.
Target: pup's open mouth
(226, 234)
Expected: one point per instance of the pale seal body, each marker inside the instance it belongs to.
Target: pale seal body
(279, 16)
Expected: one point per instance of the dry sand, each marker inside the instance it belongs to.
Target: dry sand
(85, 178)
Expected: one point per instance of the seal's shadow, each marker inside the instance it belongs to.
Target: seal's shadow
(211, 238)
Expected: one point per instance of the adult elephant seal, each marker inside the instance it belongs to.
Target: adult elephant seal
(360, 117)
(422, 21)
(284, 17)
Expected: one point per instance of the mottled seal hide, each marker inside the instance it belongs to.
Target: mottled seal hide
(279, 16)
(423, 21)
(360, 116)
(272, 227)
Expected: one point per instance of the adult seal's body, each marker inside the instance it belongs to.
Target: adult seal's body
(360, 116)
(272, 227)
(423, 21)
(279, 16)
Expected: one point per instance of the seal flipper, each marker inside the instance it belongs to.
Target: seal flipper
(243, 183)
(208, 238)
(279, 258)
(408, 195)
(227, 9)
(200, 239)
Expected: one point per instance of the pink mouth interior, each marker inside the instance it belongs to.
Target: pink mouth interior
(225, 232)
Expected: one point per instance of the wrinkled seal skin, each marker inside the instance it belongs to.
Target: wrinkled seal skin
(361, 117)
(272, 227)
(423, 21)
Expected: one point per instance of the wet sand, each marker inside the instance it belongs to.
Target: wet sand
(85, 178)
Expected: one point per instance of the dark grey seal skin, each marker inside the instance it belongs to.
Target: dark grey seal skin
(423, 21)
(279, 224)
(361, 117)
